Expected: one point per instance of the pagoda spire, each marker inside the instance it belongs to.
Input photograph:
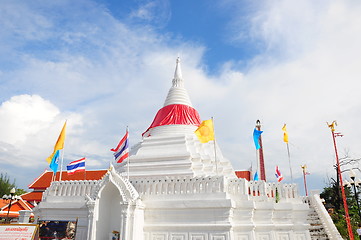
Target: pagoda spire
(178, 79)
(176, 111)
(177, 93)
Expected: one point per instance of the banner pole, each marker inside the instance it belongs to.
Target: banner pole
(62, 156)
(345, 206)
(128, 162)
(289, 161)
(214, 146)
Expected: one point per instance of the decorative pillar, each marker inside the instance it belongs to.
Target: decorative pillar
(91, 207)
(24, 216)
(261, 158)
(124, 221)
(131, 208)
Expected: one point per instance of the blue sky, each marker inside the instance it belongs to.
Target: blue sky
(105, 65)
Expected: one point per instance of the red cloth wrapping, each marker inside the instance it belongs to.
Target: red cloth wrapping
(176, 114)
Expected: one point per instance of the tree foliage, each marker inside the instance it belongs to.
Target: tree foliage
(6, 185)
(333, 200)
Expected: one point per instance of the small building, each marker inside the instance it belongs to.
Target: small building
(16, 206)
(41, 183)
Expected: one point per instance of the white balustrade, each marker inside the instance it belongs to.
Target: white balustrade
(257, 190)
(254, 189)
(179, 185)
(70, 188)
(329, 226)
(261, 190)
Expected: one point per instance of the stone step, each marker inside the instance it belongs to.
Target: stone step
(316, 229)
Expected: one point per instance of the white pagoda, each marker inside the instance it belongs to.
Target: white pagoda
(173, 187)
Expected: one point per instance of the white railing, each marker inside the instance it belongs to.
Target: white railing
(257, 190)
(185, 185)
(329, 226)
(70, 188)
(262, 190)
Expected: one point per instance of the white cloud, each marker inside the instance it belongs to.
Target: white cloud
(24, 115)
(307, 75)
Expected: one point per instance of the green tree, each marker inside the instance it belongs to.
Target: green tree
(332, 196)
(5, 184)
(20, 191)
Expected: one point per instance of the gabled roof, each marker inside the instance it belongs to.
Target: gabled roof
(44, 180)
(16, 206)
(32, 196)
(244, 174)
(3, 203)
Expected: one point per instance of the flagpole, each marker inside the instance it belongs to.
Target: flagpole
(214, 144)
(258, 164)
(61, 163)
(285, 139)
(62, 158)
(347, 216)
(304, 178)
(261, 158)
(128, 163)
(59, 145)
(289, 161)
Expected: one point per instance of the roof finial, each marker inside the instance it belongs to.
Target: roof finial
(178, 81)
(177, 93)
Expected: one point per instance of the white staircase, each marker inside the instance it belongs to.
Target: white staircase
(321, 224)
(317, 230)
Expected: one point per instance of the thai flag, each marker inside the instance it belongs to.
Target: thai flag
(278, 175)
(76, 166)
(121, 152)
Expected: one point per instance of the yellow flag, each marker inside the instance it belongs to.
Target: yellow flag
(285, 134)
(59, 143)
(205, 131)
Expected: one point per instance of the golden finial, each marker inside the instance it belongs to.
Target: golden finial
(332, 125)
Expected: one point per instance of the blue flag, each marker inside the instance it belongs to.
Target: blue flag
(255, 178)
(256, 136)
(55, 162)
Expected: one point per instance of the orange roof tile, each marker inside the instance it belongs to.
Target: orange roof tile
(16, 205)
(32, 196)
(44, 180)
(244, 174)
(3, 202)
(11, 214)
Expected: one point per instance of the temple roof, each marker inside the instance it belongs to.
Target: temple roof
(44, 180)
(16, 206)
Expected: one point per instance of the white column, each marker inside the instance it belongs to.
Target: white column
(91, 230)
(124, 221)
(24, 216)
